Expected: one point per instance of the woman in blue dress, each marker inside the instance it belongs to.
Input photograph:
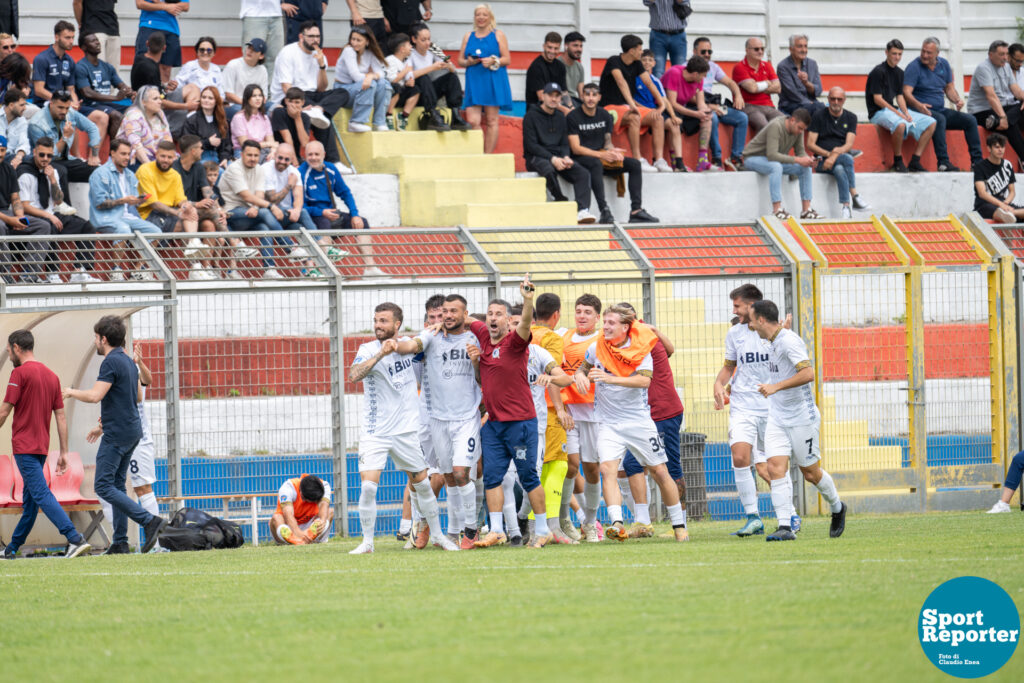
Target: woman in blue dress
(485, 57)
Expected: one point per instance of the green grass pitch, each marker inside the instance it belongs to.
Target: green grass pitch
(717, 609)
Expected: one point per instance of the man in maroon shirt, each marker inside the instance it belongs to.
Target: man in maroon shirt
(33, 392)
(510, 434)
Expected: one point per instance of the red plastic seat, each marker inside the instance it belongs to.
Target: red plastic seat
(67, 487)
(7, 475)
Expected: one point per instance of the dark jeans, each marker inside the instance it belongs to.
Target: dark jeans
(343, 222)
(264, 220)
(812, 107)
(668, 430)
(447, 86)
(575, 174)
(951, 119)
(634, 181)
(72, 225)
(37, 496)
(112, 462)
(75, 171)
(1013, 131)
(1013, 472)
(31, 256)
(330, 101)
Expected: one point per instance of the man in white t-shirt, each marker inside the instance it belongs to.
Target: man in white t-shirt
(261, 20)
(620, 366)
(794, 422)
(284, 189)
(249, 69)
(390, 425)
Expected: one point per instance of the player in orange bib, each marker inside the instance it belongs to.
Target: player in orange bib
(304, 511)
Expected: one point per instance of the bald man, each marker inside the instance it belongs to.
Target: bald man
(830, 138)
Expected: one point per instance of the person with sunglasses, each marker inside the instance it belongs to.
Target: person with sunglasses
(757, 77)
(200, 72)
(729, 113)
(8, 44)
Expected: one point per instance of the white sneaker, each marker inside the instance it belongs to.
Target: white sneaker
(336, 254)
(445, 543)
(846, 212)
(662, 166)
(116, 275)
(298, 254)
(271, 274)
(384, 129)
(54, 279)
(317, 117)
(355, 127)
(192, 248)
(583, 216)
(363, 548)
(80, 276)
(243, 251)
(590, 533)
(645, 166)
(999, 507)
(374, 271)
(65, 209)
(142, 275)
(200, 273)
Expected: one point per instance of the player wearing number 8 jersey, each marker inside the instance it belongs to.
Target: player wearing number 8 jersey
(620, 366)
(794, 423)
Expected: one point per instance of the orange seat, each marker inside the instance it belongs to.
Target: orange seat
(7, 470)
(67, 487)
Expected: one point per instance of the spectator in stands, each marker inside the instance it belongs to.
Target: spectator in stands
(15, 223)
(756, 77)
(575, 76)
(1016, 61)
(261, 21)
(144, 125)
(303, 513)
(369, 14)
(360, 73)
(189, 167)
(15, 71)
(618, 96)
(683, 85)
(799, 79)
(300, 13)
(14, 126)
(252, 123)
(547, 68)
(249, 69)
(547, 152)
(590, 142)
(830, 138)
(768, 154)
(8, 44)
(243, 187)
(995, 189)
(436, 78)
(668, 32)
(398, 70)
(731, 114)
(887, 108)
(402, 15)
(162, 18)
(113, 205)
(99, 17)
(284, 189)
(99, 86)
(60, 123)
(53, 69)
(164, 202)
(291, 125)
(210, 124)
(40, 187)
(673, 124)
(927, 82)
(485, 55)
(146, 71)
(323, 186)
(200, 72)
(303, 65)
(995, 98)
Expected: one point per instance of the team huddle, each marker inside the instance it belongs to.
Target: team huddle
(476, 403)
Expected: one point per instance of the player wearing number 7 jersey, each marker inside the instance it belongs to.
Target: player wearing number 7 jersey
(620, 365)
(794, 422)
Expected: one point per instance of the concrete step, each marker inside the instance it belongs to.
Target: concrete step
(422, 199)
(507, 215)
(450, 167)
(367, 148)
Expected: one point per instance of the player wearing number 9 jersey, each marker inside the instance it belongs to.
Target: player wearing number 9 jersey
(620, 366)
(794, 423)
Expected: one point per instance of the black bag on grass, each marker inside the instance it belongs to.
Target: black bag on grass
(192, 529)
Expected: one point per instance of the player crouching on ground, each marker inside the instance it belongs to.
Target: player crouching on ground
(621, 367)
(304, 513)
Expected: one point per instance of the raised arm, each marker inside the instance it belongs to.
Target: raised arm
(526, 290)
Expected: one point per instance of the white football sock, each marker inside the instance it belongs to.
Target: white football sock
(627, 493)
(149, 504)
(467, 494)
(614, 513)
(676, 514)
(782, 499)
(368, 510)
(454, 509)
(592, 500)
(747, 488)
(405, 526)
(496, 522)
(827, 487)
(524, 508)
(643, 513)
(428, 506)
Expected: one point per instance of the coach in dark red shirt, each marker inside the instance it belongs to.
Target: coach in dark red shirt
(33, 392)
(510, 434)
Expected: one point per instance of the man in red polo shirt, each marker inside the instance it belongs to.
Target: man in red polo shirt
(756, 76)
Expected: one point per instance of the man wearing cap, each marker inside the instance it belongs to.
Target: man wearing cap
(249, 69)
(547, 152)
(261, 20)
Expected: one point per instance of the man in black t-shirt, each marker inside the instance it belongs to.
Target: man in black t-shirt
(994, 181)
(618, 96)
(13, 222)
(590, 139)
(546, 68)
(99, 17)
(830, 138)
(887, 108)
(291, 125)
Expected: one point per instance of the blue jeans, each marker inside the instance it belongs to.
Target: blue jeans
(842, 171)
(37, 496)
(664, 45)
(668, 430)
(377, 96)
(774, 171)
(125, 225)
(738, 121)
(1013, 472)
(112, 460)
(305, 221)
(264, 220)
(951, 119)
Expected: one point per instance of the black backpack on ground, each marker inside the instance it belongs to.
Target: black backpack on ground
(192, 529)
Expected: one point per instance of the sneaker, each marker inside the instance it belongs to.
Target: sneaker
(142, 275)
(374, 271)
(662, 166)
(233, 275)
(998, 508)
(467, 543)
(616, 532)
(915, 167)
(117, 275)
(65, 209)
(638, 530)
(809, 215)
(9, 553)
(517, 541)
(898, 167)
(728, 164)
(539, 541)
(782, 214)
(561, 539)
(753, 527)
(422, 536)
(298, 254)
(606, 217)
(736, 163)
(642, 216)
(153, 530)
(384, 128)
(391, 123)
(197, 272)
(271, 274)
(76, 549)
(457, 122)
(590, 533)
(845, 212)
(584, 217)
(706, 166)
(336, 254)
(682, 535)
(317, 118)
(118, 549)
(795, 523)
(314, 273)
(946, 167)
(645, 166)
(855, 153)
(492, 538)
(356, 127)
(569, 530)
(402, 121)
(54, 279)
(244, 251)
(445, 543)
(80, 276)
(363, 548)
(783, 533)
(524, 526)
(859, 203)
(192, 248)
(838, 525)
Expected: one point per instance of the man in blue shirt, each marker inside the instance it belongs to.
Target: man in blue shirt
(99, 86)
(59, 122)
(927, 82)
(116, 390)
(161, 17)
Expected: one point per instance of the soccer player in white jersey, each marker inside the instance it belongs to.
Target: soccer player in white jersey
(390, 425)
(746, 367)
(794, 422)
(620, 366)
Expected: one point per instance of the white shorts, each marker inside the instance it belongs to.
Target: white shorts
(427, 448)
(456, 443)
(142, 466)
(747, 428)
(641, 439)
(323, 537)
(802, 442)
(583, 440)
(404, 450)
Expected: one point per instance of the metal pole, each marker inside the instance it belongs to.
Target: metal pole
(339, 447)
(643, 264)
(483, 260)
(918, 437)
